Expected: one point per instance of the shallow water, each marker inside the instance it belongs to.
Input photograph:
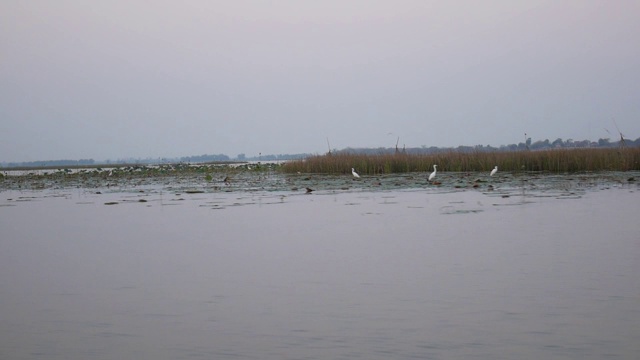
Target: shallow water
(508, 272)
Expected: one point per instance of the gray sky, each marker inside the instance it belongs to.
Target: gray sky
(116, 79)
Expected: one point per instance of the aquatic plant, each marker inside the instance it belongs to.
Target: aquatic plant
(231, 177)
(212, 174)
(556, 160)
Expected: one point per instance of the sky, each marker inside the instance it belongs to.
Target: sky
(153, 79)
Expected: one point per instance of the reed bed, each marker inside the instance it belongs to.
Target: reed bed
(556, 160)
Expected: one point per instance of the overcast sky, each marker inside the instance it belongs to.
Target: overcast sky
(117, 79)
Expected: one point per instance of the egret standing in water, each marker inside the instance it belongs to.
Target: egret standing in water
(433, 174)
(354, 173)
(494, 171)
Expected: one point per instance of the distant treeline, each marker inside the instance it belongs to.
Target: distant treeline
(205, 158)
(185, 159)
(242, 157)
(49, 163)
(528, 145)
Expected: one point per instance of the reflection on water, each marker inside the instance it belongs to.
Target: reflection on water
(517, 273)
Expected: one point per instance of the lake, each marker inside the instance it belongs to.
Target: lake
(150, 272)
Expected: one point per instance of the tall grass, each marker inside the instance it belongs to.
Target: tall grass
(556, 160)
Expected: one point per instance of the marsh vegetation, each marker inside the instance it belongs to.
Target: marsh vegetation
(456, 170)
(557, 161)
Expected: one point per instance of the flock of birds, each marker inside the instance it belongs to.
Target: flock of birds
(431, 176)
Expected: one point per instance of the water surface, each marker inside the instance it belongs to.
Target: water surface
(417, 273)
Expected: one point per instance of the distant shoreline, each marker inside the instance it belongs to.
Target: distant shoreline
(112, 166)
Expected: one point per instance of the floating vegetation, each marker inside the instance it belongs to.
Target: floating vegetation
(211, 178)
(452, 211)
(136, 175)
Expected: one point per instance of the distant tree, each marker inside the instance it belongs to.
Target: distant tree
(540, 144)
(510, 147)
(582, 143)
(205, 158)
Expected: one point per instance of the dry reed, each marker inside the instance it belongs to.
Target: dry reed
(556, 160)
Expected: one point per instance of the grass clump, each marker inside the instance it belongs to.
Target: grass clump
(555, 160)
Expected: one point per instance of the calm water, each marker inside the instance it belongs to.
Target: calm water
(330, 275)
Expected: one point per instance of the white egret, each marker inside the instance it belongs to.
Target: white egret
(494, 171)
(433, 174)
(355, 174)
